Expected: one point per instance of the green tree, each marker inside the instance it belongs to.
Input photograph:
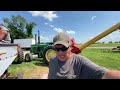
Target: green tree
(29, 29)
(19, 27)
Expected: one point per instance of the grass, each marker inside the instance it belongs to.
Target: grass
(109, 59)
(34, 69)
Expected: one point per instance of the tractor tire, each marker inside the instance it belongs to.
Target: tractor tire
(48, 53)
(20, 57)
(28, 57)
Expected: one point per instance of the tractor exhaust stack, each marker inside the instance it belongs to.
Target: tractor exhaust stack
(38, 37)
(35, 38)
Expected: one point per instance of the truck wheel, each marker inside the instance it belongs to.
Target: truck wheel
(28, 57)
(48, 53)
(20, 57)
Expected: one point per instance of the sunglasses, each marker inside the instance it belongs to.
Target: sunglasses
(62, 49)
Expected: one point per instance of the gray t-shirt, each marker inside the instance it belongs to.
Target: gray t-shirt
(77, 67)
(7, 37)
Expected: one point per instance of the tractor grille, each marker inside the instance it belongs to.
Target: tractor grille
(39, 49)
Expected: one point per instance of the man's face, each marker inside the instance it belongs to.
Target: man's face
(62, 52)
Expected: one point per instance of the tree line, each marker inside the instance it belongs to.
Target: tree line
(19, 27)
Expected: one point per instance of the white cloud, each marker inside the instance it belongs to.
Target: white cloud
(51, 26)
(93, 17)
(54, 28)
(49, 15)
(114, 23)
(114, 37)
(46, 23)
(45, 39)
(90, 38)
(58, 29)
(70, 32)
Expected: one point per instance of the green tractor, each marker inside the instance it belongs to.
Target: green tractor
(43, 50)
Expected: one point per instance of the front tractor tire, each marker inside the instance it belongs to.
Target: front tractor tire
(28, 57)
(20, 57)
(48, 53)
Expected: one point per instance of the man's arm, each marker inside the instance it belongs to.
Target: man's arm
(111, 74)
(2, 34)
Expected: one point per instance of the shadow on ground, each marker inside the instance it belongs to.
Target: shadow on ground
(40, 62)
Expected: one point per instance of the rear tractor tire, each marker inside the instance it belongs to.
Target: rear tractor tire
(48, 53)
(20, 57)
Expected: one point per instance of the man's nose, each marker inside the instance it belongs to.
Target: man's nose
(60, 51)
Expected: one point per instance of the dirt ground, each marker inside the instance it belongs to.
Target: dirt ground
(37, 73)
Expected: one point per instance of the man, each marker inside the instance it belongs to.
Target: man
(68, 65)
(4, 34)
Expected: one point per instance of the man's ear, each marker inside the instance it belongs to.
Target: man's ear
(71, 47)
(72, 41)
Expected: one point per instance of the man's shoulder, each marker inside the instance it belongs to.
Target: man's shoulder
(77, 56)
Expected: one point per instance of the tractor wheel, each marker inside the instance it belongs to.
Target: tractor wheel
(48, 53)
(20, 57)
(28, 57)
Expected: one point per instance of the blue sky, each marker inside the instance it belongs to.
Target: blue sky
(80, 25)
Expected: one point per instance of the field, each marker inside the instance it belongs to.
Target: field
(36, 68)
(103, 57)
(31, 70)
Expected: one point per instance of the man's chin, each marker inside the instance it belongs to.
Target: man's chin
(62, 59)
